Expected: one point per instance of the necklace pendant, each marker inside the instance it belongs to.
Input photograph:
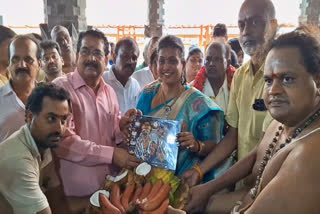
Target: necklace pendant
(253, 193)
(167, 110)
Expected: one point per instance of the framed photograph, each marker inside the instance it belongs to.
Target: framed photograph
(153, 140)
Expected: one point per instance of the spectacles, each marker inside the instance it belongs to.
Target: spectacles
(87, 52)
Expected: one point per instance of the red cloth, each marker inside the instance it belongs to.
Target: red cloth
(201, 77)
(230, 72)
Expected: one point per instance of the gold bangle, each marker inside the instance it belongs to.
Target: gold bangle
(197, 168)
(201, 145)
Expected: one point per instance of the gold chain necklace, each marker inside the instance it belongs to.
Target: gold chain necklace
(167, 107)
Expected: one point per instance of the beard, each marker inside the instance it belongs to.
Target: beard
(47, 142)
(263, 50)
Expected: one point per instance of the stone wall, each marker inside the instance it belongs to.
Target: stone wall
(66, 12)
(155, 20)
(310, 12)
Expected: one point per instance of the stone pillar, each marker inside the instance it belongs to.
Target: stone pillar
(66, 13)
(310, 12)
(155, 20)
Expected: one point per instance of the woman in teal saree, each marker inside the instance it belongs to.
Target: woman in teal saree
(170, 98)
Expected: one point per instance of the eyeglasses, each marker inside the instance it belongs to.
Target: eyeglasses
(87, 52)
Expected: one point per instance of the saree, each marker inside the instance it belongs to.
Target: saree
(199, 115)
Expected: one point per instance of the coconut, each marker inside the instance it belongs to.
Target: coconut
(122, 176)
(142, 173)
(94, 199)
(121, 179)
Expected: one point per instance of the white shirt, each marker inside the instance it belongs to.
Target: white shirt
(12, 112)
(128, 95)
(144, 76)
(222, 98)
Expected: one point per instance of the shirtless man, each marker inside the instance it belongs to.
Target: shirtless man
(284, 165)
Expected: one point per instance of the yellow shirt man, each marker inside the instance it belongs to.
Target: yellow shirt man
(246, 88)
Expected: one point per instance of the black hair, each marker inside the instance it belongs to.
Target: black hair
(234, 59)
(220, 30)
(27, 37)
(97, 34)
(235, 44)
(126, 42)
(171, 41)
(193, 50)
(112, 46)
(35, 100)
(5, 34)
(307, 41)
(50, 44)
(36, 36)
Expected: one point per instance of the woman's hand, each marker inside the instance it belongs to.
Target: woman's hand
(191, 177)
(187, 140)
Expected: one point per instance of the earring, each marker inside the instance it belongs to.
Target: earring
(183, 80)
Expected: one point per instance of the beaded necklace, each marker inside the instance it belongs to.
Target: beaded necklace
(271, 150)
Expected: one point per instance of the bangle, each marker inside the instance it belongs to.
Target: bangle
(197, 168)
(200, 144)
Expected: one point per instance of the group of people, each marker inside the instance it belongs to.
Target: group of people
(248, 140)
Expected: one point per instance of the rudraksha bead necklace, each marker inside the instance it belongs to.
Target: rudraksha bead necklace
(271, 149)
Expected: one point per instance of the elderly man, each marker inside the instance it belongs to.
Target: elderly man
(212, 78)
(25, 154)
(24, 65)
(144, 75)
(246, 114)
(90, 149)
(61, 35)
(119, 77)
(6, 35)
(51, 60)
(286, 156)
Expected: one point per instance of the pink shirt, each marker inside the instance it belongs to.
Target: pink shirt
(87, 148)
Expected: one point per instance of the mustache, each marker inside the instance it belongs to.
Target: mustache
(22, 70)
(130, 66)
(211, 67)
(56, 134)
(91, 64)
(52, 64)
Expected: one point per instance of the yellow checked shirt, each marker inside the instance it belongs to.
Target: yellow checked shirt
(245, 88)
